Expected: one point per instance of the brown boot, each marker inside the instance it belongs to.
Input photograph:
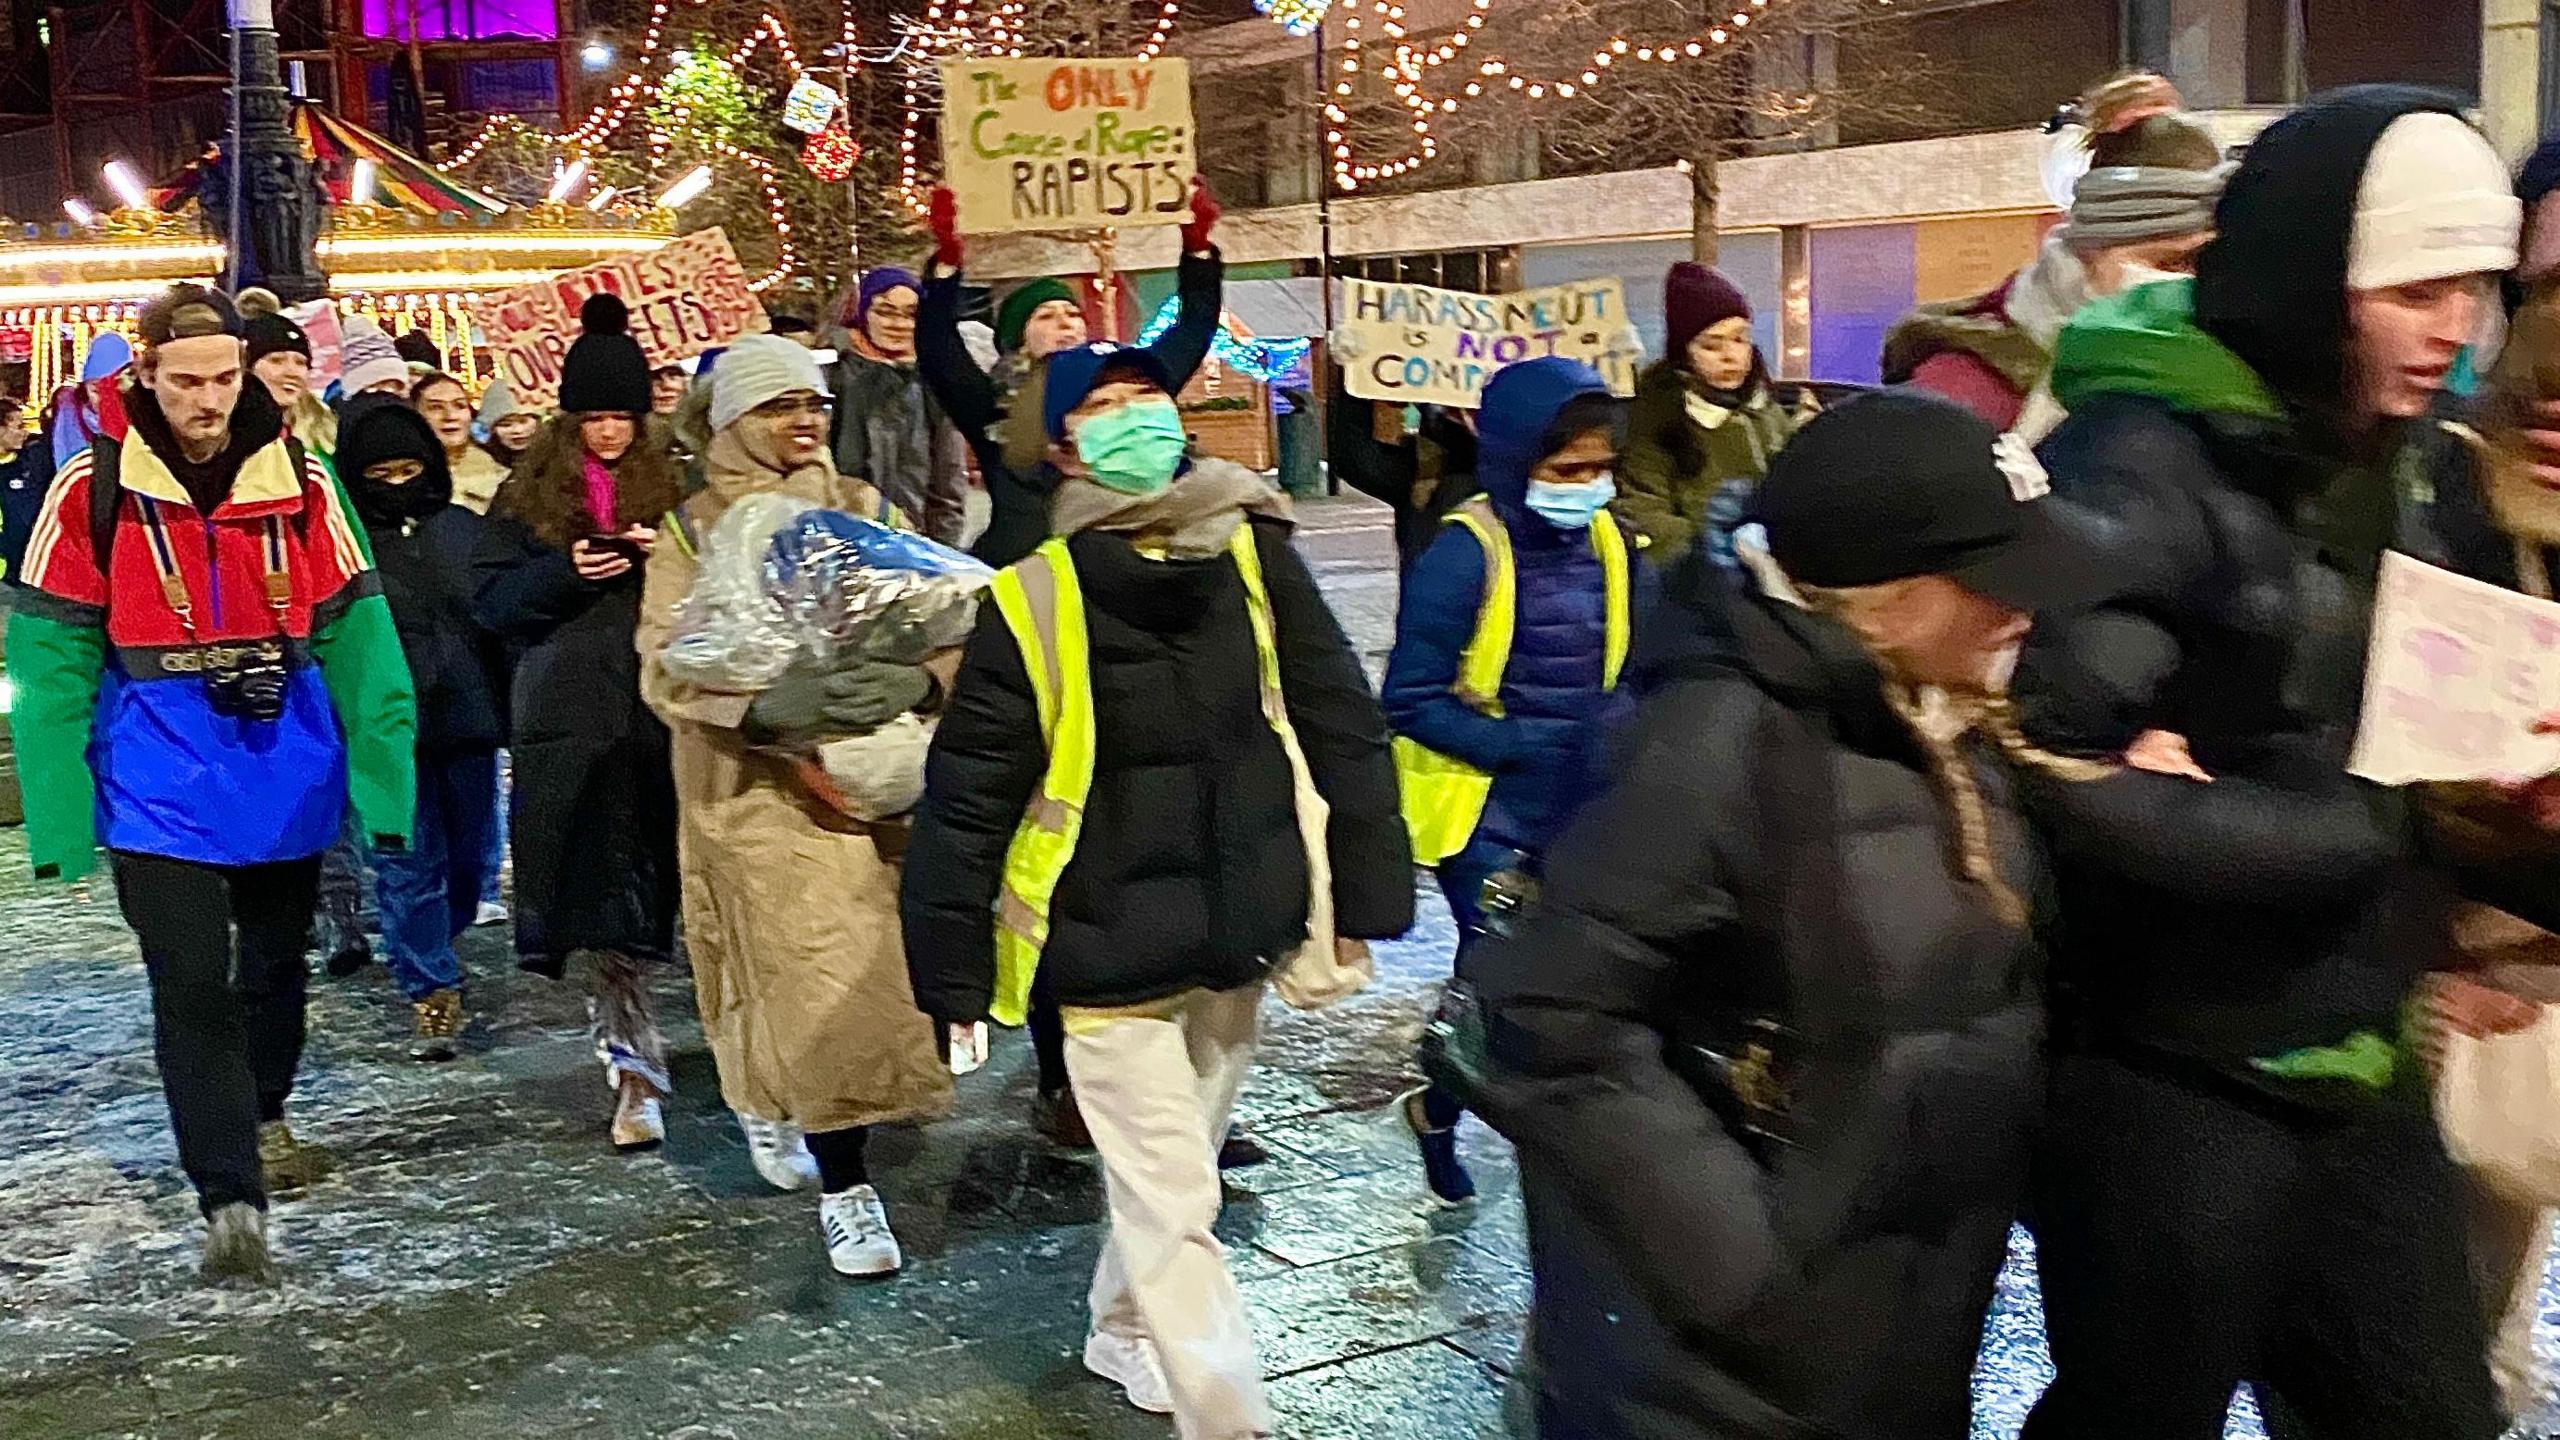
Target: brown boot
(440, 1022)
(286, 1165)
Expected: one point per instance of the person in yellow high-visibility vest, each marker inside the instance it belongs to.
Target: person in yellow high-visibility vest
(1150, 703)
(1513, 629)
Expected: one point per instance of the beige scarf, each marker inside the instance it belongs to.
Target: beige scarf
(1191, 519)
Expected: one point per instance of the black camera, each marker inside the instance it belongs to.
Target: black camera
(245, 682)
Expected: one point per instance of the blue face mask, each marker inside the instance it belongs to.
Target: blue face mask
(1134, 449)
(1572, 507)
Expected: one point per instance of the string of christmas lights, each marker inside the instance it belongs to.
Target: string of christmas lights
(1250, 355)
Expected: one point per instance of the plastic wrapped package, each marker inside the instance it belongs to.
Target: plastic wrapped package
(782, 582)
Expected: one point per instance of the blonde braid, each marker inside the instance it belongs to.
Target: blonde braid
(1855, 608)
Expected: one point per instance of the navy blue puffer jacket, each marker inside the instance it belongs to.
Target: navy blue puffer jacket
(1554, 707)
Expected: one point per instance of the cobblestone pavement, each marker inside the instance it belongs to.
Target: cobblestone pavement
(486, 1265)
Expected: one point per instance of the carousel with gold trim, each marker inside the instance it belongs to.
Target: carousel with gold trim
(409, 253)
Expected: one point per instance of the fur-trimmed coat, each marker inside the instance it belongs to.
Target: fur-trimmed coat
(592, 817)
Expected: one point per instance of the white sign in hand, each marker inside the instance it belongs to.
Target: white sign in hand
(2457, 677)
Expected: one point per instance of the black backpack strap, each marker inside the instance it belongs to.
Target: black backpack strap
(106, 502)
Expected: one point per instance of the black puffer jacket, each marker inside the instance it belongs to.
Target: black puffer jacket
(1774, 848)
(1189, 872)
(422, 548)
(2245, 527)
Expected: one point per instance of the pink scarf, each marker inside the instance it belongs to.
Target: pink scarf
(604, 497)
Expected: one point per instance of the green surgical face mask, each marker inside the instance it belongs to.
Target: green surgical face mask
(1134, 449)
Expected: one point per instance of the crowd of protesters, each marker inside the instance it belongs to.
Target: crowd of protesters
(1867, 828)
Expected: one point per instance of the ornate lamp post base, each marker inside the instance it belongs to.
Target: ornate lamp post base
(275, 203)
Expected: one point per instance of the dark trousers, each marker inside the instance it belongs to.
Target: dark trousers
(2192, 1235)
(227, 1017)
(430, 892)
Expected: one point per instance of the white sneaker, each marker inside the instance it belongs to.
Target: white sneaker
(780, 1154)
(491, 912)
(1131, 1363)
(857, 1230)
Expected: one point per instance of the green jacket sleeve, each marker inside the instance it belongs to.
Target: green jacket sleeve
(54, 671)
(368, 679)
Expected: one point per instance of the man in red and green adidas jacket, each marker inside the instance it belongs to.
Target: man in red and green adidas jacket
(206, 675)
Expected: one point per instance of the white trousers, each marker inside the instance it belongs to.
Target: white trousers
(1156, 1084)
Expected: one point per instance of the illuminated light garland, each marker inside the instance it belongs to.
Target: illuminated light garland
(1256, 358)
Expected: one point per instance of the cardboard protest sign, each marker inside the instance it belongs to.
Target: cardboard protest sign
(2456, 674)
(1421, 345)
(687, 296)
(1067, 144)
(319, 322)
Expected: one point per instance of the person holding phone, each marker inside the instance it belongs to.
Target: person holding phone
(557, 576)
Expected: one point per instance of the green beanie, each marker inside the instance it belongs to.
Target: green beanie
(1015, 312)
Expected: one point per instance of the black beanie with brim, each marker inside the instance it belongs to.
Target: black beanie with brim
(605, 372)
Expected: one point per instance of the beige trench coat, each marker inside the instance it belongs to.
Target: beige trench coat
(790, 910)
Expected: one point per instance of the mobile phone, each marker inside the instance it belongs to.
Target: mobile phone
(620, 545)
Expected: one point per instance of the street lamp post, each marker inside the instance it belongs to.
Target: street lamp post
(272, 234)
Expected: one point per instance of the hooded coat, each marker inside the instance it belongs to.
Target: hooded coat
(1554, 708)
(791, 910)
(890, 434)
(1691, 461)
(1770, 866)
(422, 548)
(1190, 872)
(592, 811)
(2245, 528)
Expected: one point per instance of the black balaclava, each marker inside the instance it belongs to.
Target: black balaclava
(375, 428)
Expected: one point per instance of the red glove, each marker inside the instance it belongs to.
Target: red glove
(942, 217)
(1204, 214)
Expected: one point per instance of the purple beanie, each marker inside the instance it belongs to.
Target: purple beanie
(876, 283)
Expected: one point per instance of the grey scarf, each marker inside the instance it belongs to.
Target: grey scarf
(1192, 519)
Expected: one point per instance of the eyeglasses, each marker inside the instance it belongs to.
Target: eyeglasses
(788, 407)
(892, 312)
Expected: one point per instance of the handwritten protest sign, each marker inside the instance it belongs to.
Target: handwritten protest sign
(687, 296)
(2457, 673)
(319, 322)
(1067, 144)
(1421, 345)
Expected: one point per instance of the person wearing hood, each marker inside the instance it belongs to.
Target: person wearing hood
(999, 413)
(592, 815)
(207, 679)
(2241, 1179)
(1767, 1036)
(888, 432)
(791, 917)
(2142, 212)
(1705, 422)
(1166, 679)
(1510, 637)
(80, 413)
(395, 469)
(280, 356)
(446, 406)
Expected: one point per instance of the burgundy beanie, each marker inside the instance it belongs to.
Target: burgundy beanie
(1695, 297)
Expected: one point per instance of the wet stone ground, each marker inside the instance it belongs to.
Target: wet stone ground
(486, 1265)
